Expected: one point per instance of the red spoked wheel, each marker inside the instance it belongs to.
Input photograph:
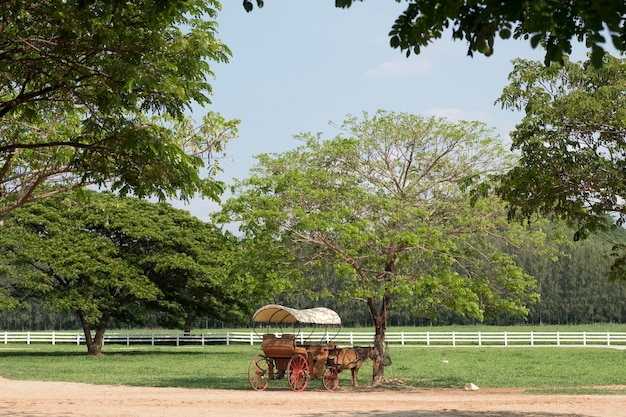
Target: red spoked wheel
(259, 372)
(298, 372)
(330, 378)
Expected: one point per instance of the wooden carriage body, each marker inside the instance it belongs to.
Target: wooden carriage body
(283, 355)
(282, 348)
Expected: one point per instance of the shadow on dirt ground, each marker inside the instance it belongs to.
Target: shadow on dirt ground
(444, 413)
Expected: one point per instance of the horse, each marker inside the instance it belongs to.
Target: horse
(352, 358)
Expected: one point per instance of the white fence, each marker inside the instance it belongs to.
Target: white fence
(531, 338)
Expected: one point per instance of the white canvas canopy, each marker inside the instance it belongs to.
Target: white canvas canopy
(277, 314)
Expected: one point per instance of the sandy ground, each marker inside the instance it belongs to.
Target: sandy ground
(60, 399)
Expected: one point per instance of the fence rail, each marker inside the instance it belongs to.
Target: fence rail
(532, 338)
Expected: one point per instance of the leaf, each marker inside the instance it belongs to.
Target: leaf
(535, 40)
(597, 56)
(505, 33)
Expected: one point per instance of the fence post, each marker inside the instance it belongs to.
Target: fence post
(28, 338)
(77, 339)
(506, 339)
(227, 338)
(251, 338)
(453, 338)
(427, 338)
(608, 338)
(532, 338)
(558, 338)
(402, 338)
(584, 338)
(480, 342)
(53, 338)
(127, 339)
(6, 337)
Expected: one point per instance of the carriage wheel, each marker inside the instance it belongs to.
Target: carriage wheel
(298, 373)
(330, 378)
(259, 372)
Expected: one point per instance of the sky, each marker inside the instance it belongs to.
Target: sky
(298, 65)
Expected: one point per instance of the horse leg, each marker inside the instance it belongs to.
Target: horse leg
(355, 377)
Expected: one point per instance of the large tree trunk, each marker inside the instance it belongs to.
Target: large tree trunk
(94, 344)
(189, 319)
(380, 318)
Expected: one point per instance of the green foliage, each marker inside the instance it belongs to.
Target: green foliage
(102, 256)
(571, 281)
(551, 25)
(571, 142)
(572, 287)
(94, 93)
(381, 205)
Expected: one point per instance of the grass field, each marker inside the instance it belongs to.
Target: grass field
(540, 369)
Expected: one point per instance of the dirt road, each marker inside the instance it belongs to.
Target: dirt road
(59, 399)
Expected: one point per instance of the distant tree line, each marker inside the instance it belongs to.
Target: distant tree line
(575, 289)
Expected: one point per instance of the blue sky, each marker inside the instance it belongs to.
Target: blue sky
(297, 65)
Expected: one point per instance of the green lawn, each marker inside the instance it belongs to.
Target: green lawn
(545, 369)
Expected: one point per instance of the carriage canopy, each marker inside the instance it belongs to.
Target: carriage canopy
(277, 314)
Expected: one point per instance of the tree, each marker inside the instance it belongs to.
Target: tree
(108, 257)
(382, 204)
(551, 24)
(95, 92)
(572, 147)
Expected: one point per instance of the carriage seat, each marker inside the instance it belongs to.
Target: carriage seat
(281, 347)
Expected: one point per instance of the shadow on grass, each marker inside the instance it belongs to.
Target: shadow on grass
(189, 368)
(19, 353)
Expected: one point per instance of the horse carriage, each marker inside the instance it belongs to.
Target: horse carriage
(295, 356)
